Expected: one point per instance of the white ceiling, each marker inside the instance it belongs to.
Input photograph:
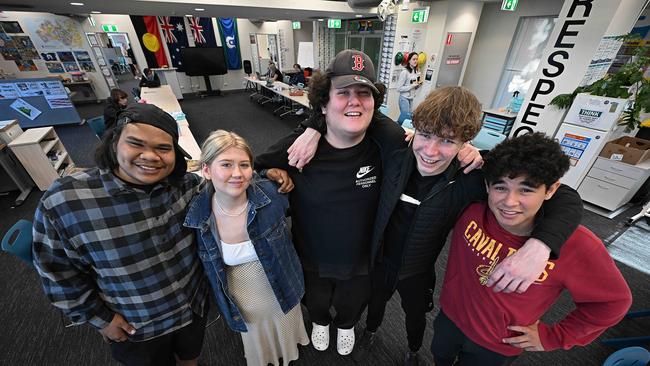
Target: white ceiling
(248, 9)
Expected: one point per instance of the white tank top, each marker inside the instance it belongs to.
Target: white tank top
(239, 253)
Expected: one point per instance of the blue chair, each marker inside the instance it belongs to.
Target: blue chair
(18, 241)
(487, 139)
(630, 356)
(97, 125)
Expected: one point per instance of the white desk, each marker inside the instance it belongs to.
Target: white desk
(303, 100)
(163, 97)
(168, 76)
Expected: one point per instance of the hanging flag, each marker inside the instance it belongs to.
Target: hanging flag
(203, 32)
(230, 42)
(173, 29)
(146, 28)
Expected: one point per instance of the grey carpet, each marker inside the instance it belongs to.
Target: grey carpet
(633, 247)
(33, 332)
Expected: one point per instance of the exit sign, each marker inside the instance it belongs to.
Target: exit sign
(333, 23)
(109, 27)
(419, 16)
(295, 25)
(509, 5)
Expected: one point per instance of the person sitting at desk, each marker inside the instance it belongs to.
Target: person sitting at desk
(273, 73)
(149, 79)
(114, 104)
(298, 76)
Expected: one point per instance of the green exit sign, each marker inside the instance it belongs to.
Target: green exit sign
(509, 5)
(333, 23)
(109, 27)
(295, 25)
(419, 16)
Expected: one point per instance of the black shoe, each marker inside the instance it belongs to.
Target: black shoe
(411, 359)
(363, 346)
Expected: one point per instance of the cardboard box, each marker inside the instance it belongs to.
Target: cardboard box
(630, 150)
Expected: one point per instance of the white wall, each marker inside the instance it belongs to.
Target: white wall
(101, 88)
(444, 16)
(123, 23)
(304, 34)
(496, 30)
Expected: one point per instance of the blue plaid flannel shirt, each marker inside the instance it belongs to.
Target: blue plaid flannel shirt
(102, 247)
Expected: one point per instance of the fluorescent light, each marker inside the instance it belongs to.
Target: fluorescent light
(77, 4)
(199, 9)
(359, 16)
(189, 15)
(320, 19)
(96, 12)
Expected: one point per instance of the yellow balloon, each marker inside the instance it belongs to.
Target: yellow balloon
(150, 42)
(422, 59)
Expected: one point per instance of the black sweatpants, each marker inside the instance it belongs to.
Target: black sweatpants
(451, 347)
(415, 295)
(348, 297)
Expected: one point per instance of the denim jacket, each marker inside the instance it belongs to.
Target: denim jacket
(268, 230)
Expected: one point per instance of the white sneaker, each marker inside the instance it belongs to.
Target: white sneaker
(320, 336)
(300, 112)
(345, 341)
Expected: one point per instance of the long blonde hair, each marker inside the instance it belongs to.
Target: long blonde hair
(220, 141)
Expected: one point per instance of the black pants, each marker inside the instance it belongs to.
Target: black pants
(348, 297)
(184, 343)
(416, 297)
(450, 343)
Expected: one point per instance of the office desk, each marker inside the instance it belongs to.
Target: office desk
(163, 97)
(302, 100)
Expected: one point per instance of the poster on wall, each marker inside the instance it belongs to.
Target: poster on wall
(49, 56)
(55, 67)
(87, 66)
(97, 51)
(82, 55)
(26, 65)
(8, 91)
(29, 89)
(54, 32)
(25, 48)
(25, 109)
(11, 27)
(71, 67)
(105, 71)
(66, 56)
(101, 61)
(9, 53)
(92, 39)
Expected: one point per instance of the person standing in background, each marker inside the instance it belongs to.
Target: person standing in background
(407, 85)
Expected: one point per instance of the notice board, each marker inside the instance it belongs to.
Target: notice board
(37, 102)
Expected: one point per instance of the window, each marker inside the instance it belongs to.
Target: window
(523, 58)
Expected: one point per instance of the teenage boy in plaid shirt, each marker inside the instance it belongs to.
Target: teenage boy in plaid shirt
(111, 249)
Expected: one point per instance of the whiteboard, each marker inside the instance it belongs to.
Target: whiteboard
(306, 54)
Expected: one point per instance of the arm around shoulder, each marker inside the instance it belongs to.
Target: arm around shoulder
(562, 215)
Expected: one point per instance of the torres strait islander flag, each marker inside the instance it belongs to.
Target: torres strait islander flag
(230, 42)
(147, 29)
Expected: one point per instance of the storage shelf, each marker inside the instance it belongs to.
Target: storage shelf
(63, 157)
(49, 145)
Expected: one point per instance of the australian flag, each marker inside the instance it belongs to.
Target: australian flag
(203, 32)
(175, 35)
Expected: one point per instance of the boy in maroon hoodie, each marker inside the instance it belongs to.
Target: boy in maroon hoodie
(479, 326)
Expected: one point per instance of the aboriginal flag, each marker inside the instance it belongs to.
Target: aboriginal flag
(147, 29)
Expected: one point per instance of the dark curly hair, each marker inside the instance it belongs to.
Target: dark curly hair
(535, 156)
(106, 154)
(319, 96)
(450, 111)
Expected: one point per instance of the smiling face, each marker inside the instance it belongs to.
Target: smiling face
(433, 154)
(515, 202)
(145, 154)
(413, 60)
(230, 172)
(348, 114)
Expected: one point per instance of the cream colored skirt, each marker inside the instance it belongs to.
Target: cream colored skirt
(271, 333)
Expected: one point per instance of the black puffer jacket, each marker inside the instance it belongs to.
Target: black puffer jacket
(438, 212)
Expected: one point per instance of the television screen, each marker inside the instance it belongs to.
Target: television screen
(204, 61)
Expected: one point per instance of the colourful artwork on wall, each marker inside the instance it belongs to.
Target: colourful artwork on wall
(26, 65)
(66, 56)
(87, 66)
(55, 67)
(71, 67)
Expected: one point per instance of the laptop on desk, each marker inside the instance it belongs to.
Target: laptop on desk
(259, 76)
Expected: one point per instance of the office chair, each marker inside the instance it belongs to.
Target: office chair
(97, 125)
(630, 356)
(487, 139)
(18, 241)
